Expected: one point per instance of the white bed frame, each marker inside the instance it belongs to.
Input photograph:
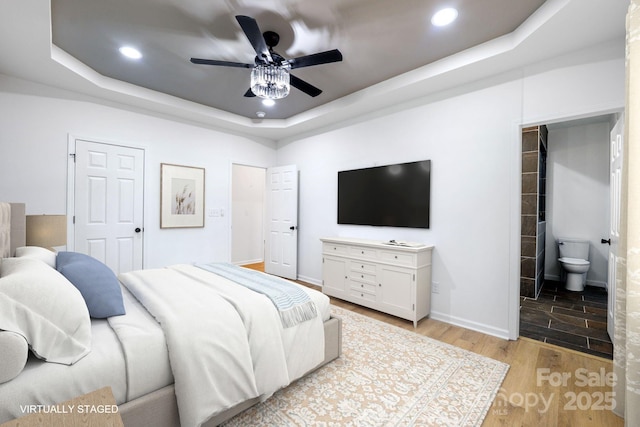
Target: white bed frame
(160, 408)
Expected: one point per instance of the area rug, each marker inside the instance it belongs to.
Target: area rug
(386, 376)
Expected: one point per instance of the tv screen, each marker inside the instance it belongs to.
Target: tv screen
(394, 195)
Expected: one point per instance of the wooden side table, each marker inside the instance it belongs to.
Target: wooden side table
(95, 409)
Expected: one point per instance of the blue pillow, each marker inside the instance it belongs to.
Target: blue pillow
(96, 282)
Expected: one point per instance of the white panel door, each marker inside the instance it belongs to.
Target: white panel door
(615, 183)
(109, 183)
(281, 249)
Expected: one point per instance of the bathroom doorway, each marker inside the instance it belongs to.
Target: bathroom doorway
(571, 201)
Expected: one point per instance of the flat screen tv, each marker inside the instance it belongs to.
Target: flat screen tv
(393, 195)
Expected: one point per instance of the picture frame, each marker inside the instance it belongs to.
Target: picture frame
(181, 196)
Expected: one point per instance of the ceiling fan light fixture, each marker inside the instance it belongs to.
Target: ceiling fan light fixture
(270, 81)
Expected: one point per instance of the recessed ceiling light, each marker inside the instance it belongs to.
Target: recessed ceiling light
(444, 17)
(130, 52)
(268, 102)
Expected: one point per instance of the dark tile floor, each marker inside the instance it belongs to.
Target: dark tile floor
(575, 320)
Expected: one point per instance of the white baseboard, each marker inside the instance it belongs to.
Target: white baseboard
(475, 326)
(249, 261)
(310, 280)
(597, 283)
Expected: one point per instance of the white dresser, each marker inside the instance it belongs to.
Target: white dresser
(392, 278)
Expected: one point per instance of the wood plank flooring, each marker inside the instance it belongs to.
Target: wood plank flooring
(546, 385)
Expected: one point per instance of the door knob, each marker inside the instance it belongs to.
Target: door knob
(608, 241)
(138, 229)
(293, 227)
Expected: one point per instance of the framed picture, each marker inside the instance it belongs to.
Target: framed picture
(181, 196)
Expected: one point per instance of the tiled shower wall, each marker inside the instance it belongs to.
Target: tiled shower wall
(533, 215)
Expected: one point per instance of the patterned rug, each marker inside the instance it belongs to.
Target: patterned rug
(386, 376)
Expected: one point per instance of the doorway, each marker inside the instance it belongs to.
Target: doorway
(247, 214)
(576, 205)
(264, 226)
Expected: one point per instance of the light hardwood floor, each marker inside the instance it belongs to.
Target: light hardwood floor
(546, 385)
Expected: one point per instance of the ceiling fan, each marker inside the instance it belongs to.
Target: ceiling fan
(270, 76)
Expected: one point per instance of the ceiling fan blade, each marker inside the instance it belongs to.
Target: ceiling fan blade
(316, 59)
(222, 63)
(249, 93)
(307, 88)
(253, 33)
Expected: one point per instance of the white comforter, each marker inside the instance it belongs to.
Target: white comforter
(226, 343)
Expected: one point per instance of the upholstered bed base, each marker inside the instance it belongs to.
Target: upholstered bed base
(12, 228)
(160, 409)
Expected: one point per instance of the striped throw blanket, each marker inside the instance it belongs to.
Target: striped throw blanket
(293, 304)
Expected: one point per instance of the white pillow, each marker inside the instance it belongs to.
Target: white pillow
(40, 304)
(37, 252)
(14, 352)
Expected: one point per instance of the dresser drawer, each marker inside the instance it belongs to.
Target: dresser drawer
(369, 288)
(363, 267)
(362, 295)
(398, 258)
(334, 248)
(362, 277)
(362, 252)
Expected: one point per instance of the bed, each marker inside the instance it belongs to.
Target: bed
(202, 338)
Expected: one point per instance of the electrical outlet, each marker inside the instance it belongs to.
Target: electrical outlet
(435, 287)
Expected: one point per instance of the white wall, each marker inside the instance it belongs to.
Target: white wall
(472, 138)
(247, 214)
(473, 141)
(578, 194)
(34, 131)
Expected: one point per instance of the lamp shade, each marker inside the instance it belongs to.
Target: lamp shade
(270, 81)
(46, 231)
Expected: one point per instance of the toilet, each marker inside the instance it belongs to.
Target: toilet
(574, 260)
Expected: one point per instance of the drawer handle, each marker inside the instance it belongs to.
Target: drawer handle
(396, 257)
(362, 295)
(362, 252)
(361, 285)
(362, 276)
